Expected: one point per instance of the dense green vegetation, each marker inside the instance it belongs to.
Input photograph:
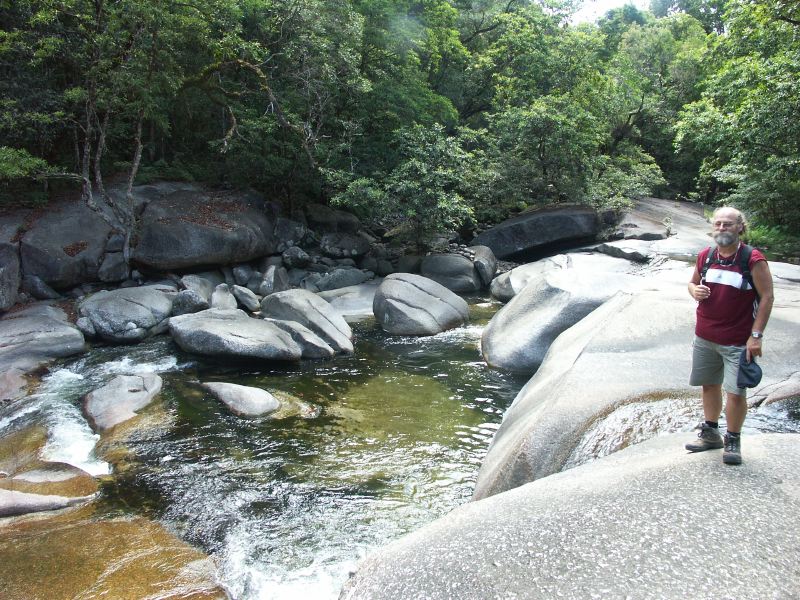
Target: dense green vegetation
(428, 112)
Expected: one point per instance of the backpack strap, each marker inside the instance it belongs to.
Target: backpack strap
(745, 252)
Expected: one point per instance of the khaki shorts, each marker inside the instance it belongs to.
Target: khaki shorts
(714, 364)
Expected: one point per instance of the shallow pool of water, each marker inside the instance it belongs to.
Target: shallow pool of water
(385, 441)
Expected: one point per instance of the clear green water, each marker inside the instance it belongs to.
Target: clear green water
(384, 441)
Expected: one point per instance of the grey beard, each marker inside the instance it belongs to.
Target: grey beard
(725, 238)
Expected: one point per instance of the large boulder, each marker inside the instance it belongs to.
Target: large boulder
(188, 228)
(313, 346)
(10, 278)
(65, 246)
(243, 400)
(531, 232)
(341, 278)
(120, 399)
(231, 333)
(408, 304)
(455, 272)
(636, 524)
(128, 315)
(313, 312)
(635, 348)
(520, 333)
(507, 285)
(30, 338)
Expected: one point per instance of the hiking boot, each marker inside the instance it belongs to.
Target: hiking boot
(709, 438)
(732, 455)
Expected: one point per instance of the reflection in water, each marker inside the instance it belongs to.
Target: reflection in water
(383, 442)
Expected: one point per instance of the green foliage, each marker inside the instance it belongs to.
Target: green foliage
(19, 164)
(423, 192)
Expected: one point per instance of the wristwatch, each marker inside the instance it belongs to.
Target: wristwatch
(757, 335)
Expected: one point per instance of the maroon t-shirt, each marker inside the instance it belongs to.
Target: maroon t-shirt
(726, 316)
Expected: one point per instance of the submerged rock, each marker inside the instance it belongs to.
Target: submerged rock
(119, 399)
(244, 400)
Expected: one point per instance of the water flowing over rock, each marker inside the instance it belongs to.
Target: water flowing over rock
(128, 315)
(520, 333)
(244, 400)
(640, 515)
(231, 333)
(313, 312)
(120, 399)
(407, 304)
(455, 272)
(188, 228)
(30, 338)
(520, 237)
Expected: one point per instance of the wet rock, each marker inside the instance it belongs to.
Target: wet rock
(120, 399)
(20, 503)
(407, 304)
(30, 338)
(231, 333)
(244, 400)
(313, 312)
(127, 315)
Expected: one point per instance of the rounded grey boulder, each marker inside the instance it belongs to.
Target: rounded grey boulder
(119, 399)
(313, 312)
(455, 272)
(244, 400)
(127, 315)
(408, 304)
(231, 333)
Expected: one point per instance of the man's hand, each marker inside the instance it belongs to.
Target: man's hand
(701, 292)
(753, 348)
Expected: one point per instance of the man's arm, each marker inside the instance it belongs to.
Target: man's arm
(762, 279)
(697, 290)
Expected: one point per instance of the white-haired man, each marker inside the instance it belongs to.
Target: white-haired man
(733, 288)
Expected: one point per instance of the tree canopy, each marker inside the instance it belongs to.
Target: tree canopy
(434, 113)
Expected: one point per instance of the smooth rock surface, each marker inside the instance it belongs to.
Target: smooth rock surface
(313, 312)
(519, 334)
(408, 304)
(353, 302)
(636, 524)
(529, 232)
(127, 315)
(636, 347)
(231, 333)
(507, 285)
(453, 271)
(244, 400)
(120, 399)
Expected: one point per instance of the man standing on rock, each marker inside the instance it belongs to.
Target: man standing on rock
(733, 288)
